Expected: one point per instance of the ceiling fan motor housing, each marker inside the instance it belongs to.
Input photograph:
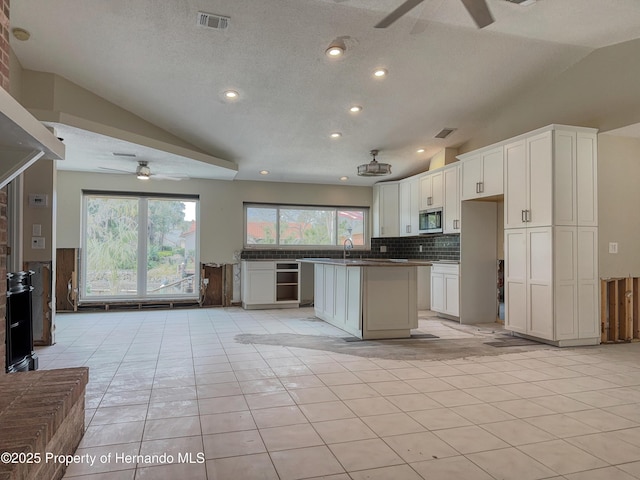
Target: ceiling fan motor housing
(143, 170)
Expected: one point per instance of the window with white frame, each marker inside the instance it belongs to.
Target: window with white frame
(139, 246)
(301, 226)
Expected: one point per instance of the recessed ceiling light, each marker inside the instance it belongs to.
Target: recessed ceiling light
(344, 179)
(420, 150)
(336, 48)
(264, 172)
(334, 51)
(336, 135)
(355, 109)
(231, 94)
(380, 73)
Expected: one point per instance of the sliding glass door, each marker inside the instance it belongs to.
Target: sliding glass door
(139, 247)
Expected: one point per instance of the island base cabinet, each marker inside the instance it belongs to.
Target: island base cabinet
(367, 302)
(391, 309)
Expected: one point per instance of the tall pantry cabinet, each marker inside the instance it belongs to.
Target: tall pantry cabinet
(551, 232)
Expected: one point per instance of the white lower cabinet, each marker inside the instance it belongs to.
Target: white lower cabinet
(445, 289)
(270, 284)
(551, 285)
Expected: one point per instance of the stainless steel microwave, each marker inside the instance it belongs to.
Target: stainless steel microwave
(430, 221)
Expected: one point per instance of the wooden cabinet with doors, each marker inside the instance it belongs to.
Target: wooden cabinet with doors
(409, 196)
(482, 173)
(385, 209)
(431, 190)
(451, 222)
(551, 266)
(445, 289)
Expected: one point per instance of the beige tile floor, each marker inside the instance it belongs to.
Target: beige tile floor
(166, 384)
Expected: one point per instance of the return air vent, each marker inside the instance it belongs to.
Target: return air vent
(445, 132)
(127, 155)
(210, 20)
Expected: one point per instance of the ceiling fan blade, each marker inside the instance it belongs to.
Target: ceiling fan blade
(174, 176)
(117, 170)
(479, 11)
(398, 12)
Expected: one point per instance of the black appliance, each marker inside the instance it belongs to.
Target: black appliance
(20, 354)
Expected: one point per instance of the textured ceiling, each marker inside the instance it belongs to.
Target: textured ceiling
(151, 58)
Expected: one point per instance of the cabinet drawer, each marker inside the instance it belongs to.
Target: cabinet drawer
(451, 269)
(258, 265)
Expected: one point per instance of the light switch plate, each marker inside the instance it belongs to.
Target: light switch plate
(36, 230)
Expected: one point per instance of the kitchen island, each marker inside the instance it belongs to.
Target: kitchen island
(368, 298)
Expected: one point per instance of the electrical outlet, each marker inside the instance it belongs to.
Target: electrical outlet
(613, 247)
(383, 249)
(420, 248)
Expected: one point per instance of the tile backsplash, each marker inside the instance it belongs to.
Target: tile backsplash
(434, 247)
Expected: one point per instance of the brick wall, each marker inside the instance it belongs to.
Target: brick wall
(4, 83)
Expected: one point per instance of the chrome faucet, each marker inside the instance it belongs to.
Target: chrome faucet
(348, 245)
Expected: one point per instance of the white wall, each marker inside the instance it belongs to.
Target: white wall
(221, 204)
(39, 178)
(619, 205)
(601, 91)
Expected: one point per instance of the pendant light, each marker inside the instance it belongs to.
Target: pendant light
(373, 168)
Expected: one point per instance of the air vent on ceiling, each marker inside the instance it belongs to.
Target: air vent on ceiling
(210, 20)
(445, 132)
(128, 155)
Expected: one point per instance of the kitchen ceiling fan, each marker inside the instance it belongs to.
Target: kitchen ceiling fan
(143, 172)
(478, 9)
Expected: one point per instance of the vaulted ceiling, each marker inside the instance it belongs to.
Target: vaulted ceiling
(151, 58)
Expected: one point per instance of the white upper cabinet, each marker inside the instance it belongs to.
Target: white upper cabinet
(575, 172)
(551, 179)
(431, 191)
(451, 206)
(529, 182)
(385, 209)
(482, 173)
(409, 198)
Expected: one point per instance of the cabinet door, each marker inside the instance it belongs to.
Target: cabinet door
(540, 282)
(471, 171)
(409, 207)
(515, 185)
(405, 208)
(451, 204)
(565, 282)
(452, 295)
(515, 279)
(492, 173)
(318, 288)
(436, 190)
(437, 292)
(587, 179)
(261, 287)
(588, 283)
(389, 221)
(540, 180)
(425, 191)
